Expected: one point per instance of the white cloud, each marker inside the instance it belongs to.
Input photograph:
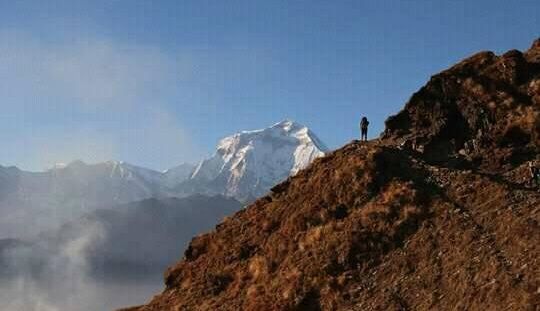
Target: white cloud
(92, 99)
(95, 98)
(90, 72)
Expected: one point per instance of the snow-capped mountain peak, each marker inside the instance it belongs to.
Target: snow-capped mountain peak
(249, 163)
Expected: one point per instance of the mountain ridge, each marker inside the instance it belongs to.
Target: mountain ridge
(437, 214)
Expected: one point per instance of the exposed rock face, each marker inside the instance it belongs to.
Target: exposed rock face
(486, 100)
(387, 226)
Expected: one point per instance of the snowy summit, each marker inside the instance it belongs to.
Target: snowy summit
(247, 164)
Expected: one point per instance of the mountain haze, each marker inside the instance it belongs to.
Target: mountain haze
(52, 197)
(245, 166)
(107, 257)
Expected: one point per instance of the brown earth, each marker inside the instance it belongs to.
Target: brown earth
(387, 226)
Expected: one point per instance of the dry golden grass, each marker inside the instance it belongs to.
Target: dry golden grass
(374, 227)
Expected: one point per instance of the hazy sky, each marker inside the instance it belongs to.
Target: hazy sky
(156, 83)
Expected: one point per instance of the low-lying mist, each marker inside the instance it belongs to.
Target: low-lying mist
(107, 259)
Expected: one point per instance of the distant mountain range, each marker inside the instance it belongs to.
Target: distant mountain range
(245, 166)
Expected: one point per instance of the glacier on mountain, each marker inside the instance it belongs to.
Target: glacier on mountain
(247, 164)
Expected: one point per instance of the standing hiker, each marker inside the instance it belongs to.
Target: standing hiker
(363, 128)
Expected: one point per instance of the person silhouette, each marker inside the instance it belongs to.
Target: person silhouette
(364, 123)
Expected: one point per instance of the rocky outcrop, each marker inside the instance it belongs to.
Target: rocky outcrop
(486, 106)
(435, 215)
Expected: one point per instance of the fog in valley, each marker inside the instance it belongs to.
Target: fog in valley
(107, 258)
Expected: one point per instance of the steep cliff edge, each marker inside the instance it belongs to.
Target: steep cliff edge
(435, 215)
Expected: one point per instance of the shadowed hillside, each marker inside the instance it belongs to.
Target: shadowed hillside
(435, 215)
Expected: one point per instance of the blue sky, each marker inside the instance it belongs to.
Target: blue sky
(157, 83)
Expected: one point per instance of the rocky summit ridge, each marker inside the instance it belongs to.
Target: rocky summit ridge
(437, 214)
